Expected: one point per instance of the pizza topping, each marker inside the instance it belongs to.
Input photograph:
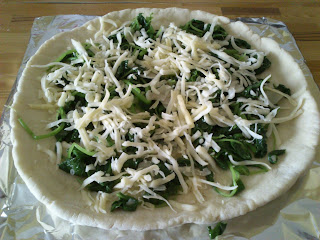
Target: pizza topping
(147, 114)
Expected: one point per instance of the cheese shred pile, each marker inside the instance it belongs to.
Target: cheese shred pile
(145, 112)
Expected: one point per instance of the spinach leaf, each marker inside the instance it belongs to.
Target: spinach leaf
(123, 70)
(68, 136)
(241, 150)
(247, 92)
(168, 77)
(104, 168)
(160, 109)
(217, 230)
(221, 159)
(273, 155)
(199, 28)
(235, 108)
(63, 135)
(210, 177)
(216, 98)
(79, 101)
(183, 162)
(261, 148)
(235, 54)
(242, 43)
(106, 187)
(236, 148)
(140, 96)
(110, 141)
(65, 82)
(236, 181)
(172, 188)
(125, 202)
(125, 45)
(72, 54)
(194, 74)
(74, 165)
(61, 113)
(242, 170)
(265, 65)
(262, 169)
(129, 137)
(202, 126)
(284, 89)
(196, 27)
(219, 33)
(171, 79)
(140, 22)
(219, 132)
(78, 158)
(260, 145)
(112, 91)
(132, 163)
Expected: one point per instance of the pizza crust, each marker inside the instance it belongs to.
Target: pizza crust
(59, 191)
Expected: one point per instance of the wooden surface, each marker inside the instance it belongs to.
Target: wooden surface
(16, 18)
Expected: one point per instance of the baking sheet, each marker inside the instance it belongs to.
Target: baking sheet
(294, 215)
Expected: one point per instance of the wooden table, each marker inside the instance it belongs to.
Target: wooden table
(16, 18)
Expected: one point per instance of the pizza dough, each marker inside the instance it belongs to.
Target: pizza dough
(60, 191)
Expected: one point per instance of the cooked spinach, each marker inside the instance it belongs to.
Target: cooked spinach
(260, 145)
(242, 43)
(79, 101)
(236, 181)
(140, 96)
(132, 163)
(217, 230)
(141, 22)
(125, 45)
(124, 71)
(54, 132)
(202, 126)
(172, 188)
(199, 28)
(283, 88)
(72, 54)
(196, 27)
(219, 33)
(273, 155)
(104, 186)
(235, 54)
(77, 160)
(75, 166)
(125, 202)
(242, 170)
(194, 74)
(68, 136)
(265, 65)
(252, 91)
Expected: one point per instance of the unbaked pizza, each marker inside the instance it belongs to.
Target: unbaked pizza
(149, 118)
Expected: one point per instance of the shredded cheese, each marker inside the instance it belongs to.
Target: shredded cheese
(120, 134)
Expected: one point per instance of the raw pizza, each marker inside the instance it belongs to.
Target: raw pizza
(149, 118)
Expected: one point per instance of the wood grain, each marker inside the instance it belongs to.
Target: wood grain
(16, 19)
